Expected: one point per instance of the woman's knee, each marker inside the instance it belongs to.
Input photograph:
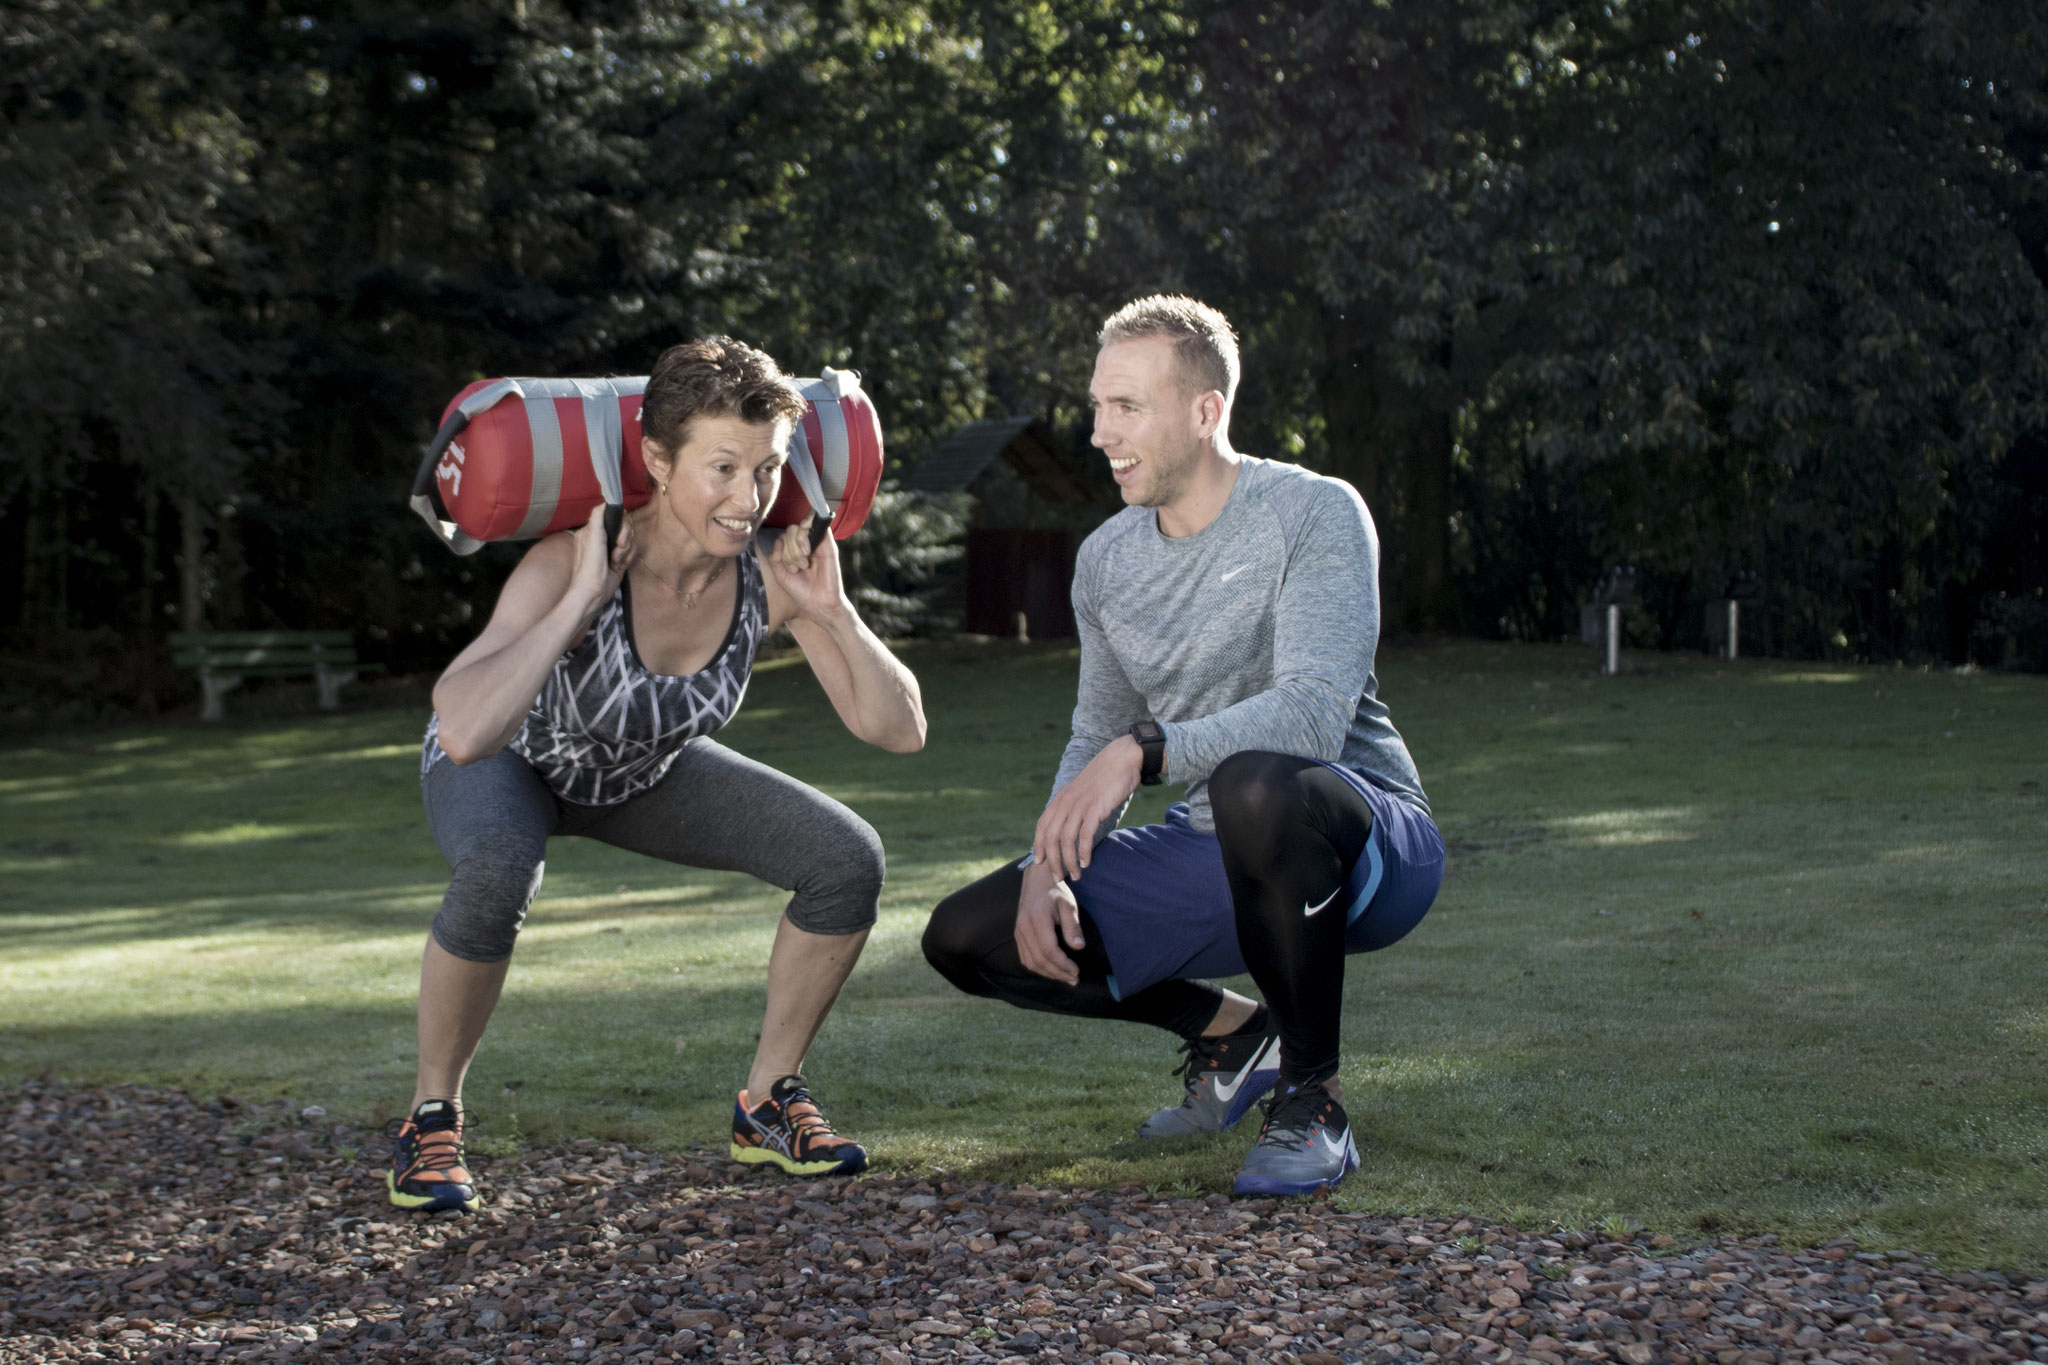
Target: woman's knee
(841, 889)
(492, 888)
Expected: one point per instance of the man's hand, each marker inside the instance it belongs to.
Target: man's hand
(1045, 908)
(1066, 832)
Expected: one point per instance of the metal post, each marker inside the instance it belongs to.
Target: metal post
(1613, 661)
(1734, 624)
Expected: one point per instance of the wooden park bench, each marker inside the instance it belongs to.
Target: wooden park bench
(224, 658)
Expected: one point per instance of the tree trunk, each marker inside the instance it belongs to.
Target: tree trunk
(45, 550)
(1428, 600)
(191, 565)
(1351, 407)
(1390, 443)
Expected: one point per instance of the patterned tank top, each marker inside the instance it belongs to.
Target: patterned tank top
(604, 728)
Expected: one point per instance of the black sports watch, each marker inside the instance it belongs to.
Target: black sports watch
(1152, 740)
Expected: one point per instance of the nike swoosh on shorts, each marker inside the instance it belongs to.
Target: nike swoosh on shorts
(1308, 909)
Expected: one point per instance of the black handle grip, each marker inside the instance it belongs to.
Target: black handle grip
(614, 517)
(423, 482)
(820, 528)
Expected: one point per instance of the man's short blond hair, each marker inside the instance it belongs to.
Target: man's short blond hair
(1202, 340)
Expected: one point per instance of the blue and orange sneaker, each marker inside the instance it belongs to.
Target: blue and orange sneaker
(427, 1172)
(787, 1130)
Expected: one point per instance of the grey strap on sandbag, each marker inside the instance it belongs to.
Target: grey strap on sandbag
(823, 394)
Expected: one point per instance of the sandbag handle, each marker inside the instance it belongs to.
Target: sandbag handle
(422, 501)
(831, 386)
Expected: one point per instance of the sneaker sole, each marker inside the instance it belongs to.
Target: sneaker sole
(763, 1156)
(1255, 1184)
(428, 1203)
(1266, 1184)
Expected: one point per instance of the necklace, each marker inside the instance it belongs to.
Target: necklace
(689, 599)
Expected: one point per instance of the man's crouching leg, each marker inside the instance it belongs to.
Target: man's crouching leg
(971, 941)
(1291, 832)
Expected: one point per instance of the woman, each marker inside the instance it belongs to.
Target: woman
(585, 708)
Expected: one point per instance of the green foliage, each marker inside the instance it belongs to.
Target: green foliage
(1705, 286)
(1751, 287)
(891, 560)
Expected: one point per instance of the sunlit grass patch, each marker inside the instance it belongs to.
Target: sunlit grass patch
(1655, 825)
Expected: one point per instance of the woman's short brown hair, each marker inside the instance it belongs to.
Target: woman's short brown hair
(714, 377)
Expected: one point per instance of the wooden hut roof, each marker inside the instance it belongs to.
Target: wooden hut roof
(1027, 444)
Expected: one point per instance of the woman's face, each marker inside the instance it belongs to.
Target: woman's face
(721, 481)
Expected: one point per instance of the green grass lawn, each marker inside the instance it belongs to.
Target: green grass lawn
(1725, 947)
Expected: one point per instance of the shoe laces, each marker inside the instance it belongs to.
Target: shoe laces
(1199, 1054)
(437, 1144)
(801, 1113)
(1291, 1114)
(1194, 1055)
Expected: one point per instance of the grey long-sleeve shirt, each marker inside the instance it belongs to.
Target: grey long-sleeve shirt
(1256, 632)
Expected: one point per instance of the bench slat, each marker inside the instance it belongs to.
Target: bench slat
(258, 639)
(281, 670)
(303, 659)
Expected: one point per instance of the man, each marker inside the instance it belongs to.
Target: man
(1228, 619)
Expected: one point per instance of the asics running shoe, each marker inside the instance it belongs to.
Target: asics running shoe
(1305, 1145)
(787, 1130)
(426, 1162)
(1223, 1077)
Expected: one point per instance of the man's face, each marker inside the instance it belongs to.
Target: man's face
(1147, 420)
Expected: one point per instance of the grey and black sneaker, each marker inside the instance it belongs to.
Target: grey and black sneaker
(1224, 1077)
(1305, 1145)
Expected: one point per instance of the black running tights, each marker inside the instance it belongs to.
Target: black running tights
(971, 940)
(1290, 830)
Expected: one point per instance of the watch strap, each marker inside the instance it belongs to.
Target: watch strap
(1152, 743)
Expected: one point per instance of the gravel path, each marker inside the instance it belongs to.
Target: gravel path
(141, 1225)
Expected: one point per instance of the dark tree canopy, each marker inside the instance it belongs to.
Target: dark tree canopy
(1704, 287)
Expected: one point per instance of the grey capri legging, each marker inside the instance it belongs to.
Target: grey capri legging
(714, 809)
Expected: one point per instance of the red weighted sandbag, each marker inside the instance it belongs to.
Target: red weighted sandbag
(519, 458)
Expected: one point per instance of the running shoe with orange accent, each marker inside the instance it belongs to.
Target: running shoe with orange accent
(787, 1130)
(427, 1172)
(1305, 1146)
(1224, 1078)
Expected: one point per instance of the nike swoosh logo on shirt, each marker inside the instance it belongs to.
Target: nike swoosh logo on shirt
(1308, 909)
(1227, 1093)
(1233, 573)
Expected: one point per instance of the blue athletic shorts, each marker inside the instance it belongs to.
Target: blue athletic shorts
(1161, 902)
